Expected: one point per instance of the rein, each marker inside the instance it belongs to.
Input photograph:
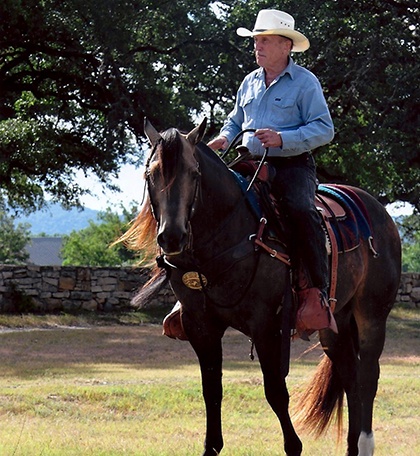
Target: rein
(234, 143)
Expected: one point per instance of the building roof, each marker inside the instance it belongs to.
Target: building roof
(45, 251)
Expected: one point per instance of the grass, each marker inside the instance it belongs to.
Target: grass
(107, 389)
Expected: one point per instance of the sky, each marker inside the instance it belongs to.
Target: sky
(397, 209)
(130, 181)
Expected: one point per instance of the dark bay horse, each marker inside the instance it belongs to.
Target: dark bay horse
(197, 212)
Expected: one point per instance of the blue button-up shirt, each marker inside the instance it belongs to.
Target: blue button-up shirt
(293, 105)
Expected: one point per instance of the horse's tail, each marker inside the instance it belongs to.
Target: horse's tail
(321, 400)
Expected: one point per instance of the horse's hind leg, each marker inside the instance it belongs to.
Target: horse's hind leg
(342, 351)
(268, 349)
(371, 342)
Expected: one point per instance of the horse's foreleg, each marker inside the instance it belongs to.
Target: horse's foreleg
(211, 373)
(276, 391)
(209, 352)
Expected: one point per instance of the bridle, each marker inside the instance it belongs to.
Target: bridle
(196, 193)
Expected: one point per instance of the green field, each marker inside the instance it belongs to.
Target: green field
(123, 389)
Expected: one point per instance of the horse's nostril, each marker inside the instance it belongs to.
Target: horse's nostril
(172, 242)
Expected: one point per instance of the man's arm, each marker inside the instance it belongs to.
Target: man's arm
(317, 128)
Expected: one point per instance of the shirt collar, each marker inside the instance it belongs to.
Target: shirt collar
(290, 70)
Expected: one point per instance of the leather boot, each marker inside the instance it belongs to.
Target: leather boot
(314, 313)
(172, 324)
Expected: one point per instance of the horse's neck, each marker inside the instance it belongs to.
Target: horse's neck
(222, 210)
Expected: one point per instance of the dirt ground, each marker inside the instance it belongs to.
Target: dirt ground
(145, 345)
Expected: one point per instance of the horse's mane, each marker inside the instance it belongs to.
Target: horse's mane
(168, 152)
(211, 154)
(141, 236)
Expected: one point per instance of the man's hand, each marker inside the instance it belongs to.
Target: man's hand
(219, 143)
(269, 138)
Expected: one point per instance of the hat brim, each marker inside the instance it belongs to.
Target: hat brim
(300, 42)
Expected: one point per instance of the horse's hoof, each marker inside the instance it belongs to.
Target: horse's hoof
(211, 452)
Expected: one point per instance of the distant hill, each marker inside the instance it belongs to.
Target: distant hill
(57, 221)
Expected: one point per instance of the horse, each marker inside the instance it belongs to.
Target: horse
(204, 228)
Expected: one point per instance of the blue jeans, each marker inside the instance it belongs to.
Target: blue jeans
(295, 183)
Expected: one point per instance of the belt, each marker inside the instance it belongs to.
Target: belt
(287, 161)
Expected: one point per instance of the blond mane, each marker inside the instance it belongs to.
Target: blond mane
(141, 236)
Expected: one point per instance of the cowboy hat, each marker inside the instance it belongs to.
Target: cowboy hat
(274, 22)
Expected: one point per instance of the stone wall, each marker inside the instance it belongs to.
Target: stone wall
(409, 291)
(54, 288)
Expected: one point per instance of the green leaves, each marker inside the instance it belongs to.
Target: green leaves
(92, 245)
(77, 77)
(13, 240)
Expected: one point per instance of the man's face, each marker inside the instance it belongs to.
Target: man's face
(271, 50)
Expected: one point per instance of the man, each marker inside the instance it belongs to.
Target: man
(285, 104)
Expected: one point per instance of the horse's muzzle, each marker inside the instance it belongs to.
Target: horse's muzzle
(172, 241)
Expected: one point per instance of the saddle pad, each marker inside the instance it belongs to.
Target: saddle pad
(251, 196)
(358, 207)
(355, 225)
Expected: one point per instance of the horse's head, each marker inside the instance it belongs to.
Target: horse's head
(173, 180)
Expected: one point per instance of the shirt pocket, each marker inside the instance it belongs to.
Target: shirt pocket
(247, 104)
(285, 112)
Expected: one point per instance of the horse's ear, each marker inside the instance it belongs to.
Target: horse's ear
(195, 136)
(150, 131)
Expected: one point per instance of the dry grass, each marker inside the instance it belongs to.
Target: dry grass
(126, 390)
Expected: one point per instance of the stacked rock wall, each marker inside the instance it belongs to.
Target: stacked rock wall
(54, 288)
(67, 288)
(409, 291)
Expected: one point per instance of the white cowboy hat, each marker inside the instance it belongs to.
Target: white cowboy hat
(274, 22)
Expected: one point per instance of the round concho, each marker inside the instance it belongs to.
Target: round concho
(192, 280)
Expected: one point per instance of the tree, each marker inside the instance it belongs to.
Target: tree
(13, 240)
(77, 77)
(369, 66)
(92, 245)
(409, 228)
(366, 55)
(411, 256)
